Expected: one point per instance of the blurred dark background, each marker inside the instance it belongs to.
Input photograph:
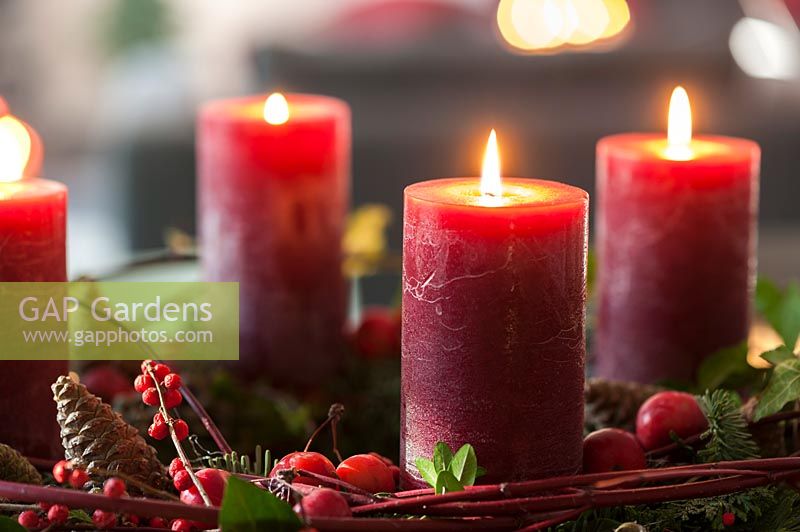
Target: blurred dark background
(113, 87)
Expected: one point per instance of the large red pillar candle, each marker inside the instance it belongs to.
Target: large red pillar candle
(274, 183)
(493, 324)
(32, 249)
(676, 248)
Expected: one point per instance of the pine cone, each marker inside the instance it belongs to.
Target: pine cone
(97, 438)
(614, 403)
(15, 468)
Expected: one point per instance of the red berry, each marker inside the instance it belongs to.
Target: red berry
(667, 412)
(28, 519)
(309, 461)
(150, 397)
(106, 381)
(183, 525)
(78, 478)
(378, 335)
(103, 519)
(157, 522)
(181, 429)
(142, 383)
(213, 481)
(57, 514)
(114, 487)
(61, 471)
(182, 480)
(132, 519)
(323, 502)
(175, 466)
(612, 450)
(728, 519)
(172, 398)
(382, 458)
(173, 381)
(161, 371)
(146, 364)
(367, 472)
(158, 431)
(44, 506)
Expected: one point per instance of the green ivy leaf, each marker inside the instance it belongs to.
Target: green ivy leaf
(447, 482)
(10, 525)
(727, 368)
(781, 309)
(427, 470)
(778, 356)
(248, 508)
(442, 456)
(782, 388)
(465, 465)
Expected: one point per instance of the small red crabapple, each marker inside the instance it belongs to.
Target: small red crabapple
(728, 519)
(161, 371)
(182, 480)
(612, 450)
(367, 472)
(150, 397)
(309, 461)
(183, 525)
(142, 383)
(103, 519)
(173, 381)
(114, 487)
(665, 413)
(157, 522)
(61, 471)
(323, 502)
(58, 514)
(28, 519)
(181, 429)
(172, 398)
(175, 466)
(78, 478)
(213, 481)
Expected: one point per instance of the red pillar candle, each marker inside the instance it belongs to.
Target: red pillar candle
(32, 249)
(676, 248)
(274, 182)
(493, 323)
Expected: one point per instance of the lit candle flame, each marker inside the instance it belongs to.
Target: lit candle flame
(491, 183)
(679, 126)
(15, 149)
(276, 109)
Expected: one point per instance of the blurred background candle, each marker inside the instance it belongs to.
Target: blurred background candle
(274, 178)
(676, 248)
(493, 322)
(33, 231)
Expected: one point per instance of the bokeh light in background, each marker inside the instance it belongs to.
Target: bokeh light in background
(536, 26)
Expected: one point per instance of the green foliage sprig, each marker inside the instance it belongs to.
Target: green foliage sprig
(727, 436)
(450, 472)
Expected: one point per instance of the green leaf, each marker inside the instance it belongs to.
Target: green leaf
(465, 465)
(782, 388)
(248, 508)
(427, 470)
(480, 471)
(727, 368)
(10, 525)
(442, 456)
(782, 310)
(447, 482)
(778, 356)
(81, 516)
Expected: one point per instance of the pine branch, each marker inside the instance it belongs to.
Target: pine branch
(727, 436)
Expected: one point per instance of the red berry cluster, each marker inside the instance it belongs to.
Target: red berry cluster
(378, 334)
(159, 387)
(53, 515)
(662, 415)
(65, 473)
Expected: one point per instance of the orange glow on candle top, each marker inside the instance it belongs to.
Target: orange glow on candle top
(276, 109)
